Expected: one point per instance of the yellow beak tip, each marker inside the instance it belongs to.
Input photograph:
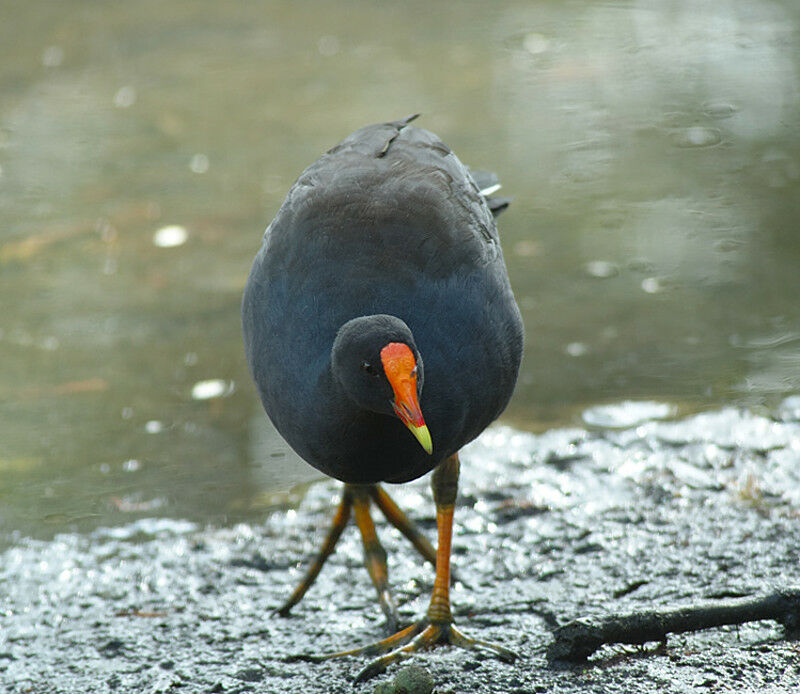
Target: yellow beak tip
(423, 436)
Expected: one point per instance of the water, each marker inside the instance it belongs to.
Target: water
(651, 149)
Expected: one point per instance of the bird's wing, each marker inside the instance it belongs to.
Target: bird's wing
(397, 195)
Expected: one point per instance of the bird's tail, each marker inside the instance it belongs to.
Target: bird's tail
(488, 183)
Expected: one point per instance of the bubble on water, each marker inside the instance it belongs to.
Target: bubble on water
(127, 412)
(610, 332)
(110, 266)
(719, 109)
(49, 343)
(107, 232)
(52, 56)
(602, 269)
(154, 426)
(695, 137)
(576, 349)
(131, 465)
(626, 414)
(199, 163)
(170, 236)
(212, 388)
(536, 44)
(652, 285)
(526, 248)
(125, 97)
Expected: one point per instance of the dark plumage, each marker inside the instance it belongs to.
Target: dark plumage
(382, 335)
(388, 222)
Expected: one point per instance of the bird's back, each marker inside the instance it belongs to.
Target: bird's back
(388, 221)
(394, 196)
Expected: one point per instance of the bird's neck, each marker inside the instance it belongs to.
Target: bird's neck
(331, 403)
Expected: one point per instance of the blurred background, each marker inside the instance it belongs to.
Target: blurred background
(652, 149)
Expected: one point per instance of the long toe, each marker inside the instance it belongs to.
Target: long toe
(456, 638)
(432, 635)
(386, 645)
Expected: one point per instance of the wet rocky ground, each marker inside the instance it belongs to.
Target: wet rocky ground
(572, 523)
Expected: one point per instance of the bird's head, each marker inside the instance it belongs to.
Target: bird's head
(379, 367)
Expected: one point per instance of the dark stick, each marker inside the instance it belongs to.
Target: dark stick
(578, 639)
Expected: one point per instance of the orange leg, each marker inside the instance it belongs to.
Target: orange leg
(339, 523)
(356, 499)
(437, 626)
(374, 555)
(400, 521)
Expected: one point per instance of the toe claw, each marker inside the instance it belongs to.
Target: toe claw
(458, 639)
(415, 638)
(303, 658)
(374, 669)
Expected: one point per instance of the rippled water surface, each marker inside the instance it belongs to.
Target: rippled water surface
(651, 148)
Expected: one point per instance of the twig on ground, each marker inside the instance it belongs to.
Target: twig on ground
(578, 639)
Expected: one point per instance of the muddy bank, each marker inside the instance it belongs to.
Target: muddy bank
(572, 523)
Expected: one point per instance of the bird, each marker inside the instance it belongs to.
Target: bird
(382, 335)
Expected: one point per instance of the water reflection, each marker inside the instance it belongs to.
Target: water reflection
(650, 148)
(656, 132)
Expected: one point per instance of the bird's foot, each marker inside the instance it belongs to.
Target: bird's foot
(417, 637)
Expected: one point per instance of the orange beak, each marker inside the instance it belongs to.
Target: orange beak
(400, 368)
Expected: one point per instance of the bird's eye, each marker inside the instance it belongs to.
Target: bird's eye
(369, 368)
